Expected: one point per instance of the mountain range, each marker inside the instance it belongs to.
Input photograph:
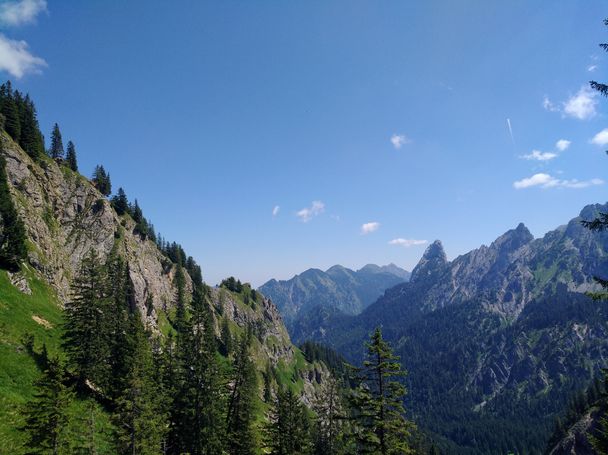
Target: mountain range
(496, 341)
(338, 289)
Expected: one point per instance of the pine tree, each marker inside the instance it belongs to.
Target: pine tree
(242, 403)
(87, 333)
(9, 109)
(12, 234)
(120, 202)
(197, 414)
(46, 416)
(330, 419)
(139, 418)
(56, 151)
(31, 138)
(70, 157)
(101, 180)
(226, 338)
(288, 428)
(378, 402)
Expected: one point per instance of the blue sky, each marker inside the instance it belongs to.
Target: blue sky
(389, 114)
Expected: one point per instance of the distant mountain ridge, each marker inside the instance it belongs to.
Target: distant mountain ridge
(336, 289)
(496, 340)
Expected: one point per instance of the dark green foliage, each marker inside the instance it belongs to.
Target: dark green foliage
(288, 429)
(139, 414)
(226, 338)
(101, 180)
(46, 416)
(10, 110)
(70, 158)
(120, 202)
(232, 284)
(319, 352)
(197, 414)
(31, 139)
(12, 233)
(56, 151)
(87, 333)
(602, 88)
(377, 402)
(241, 438)
(331, 419)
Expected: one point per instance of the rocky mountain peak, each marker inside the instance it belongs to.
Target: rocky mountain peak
(513, 239)
(433, 262)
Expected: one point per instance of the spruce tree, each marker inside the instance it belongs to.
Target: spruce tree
(46, 416)
(226, 338)
(9, 109)
(377, 402)
(56, 151)
(86, 338)
(120, 202)
(70, 157)
(288, 428)
(242, 403)
(12, 235)
(139, 414)
(330, 419)
(101, 180)
(31, 137)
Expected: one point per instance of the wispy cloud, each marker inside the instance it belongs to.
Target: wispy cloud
(510, 130)
(369, 227)
(549, 106)
(275, 210)
(582, 105)
(601, 138)
(16, 59)
(21, 12)
(537, 155)
(591, 68)
(562, 144)
(547, 181)
(308, 213)
(399, 140)
(407, 242)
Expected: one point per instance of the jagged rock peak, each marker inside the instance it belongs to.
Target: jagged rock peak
(433, 261)
(513, 239)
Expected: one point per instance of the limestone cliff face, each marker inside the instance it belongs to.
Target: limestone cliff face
(66, 218)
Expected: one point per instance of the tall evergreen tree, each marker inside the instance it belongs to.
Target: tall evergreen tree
(12, 234)
(31, 138)
(139, 414)
(9, 109)
(330, 419)
(56, 151)
(70, 157)
(86, 339)
(242, 403)
(120, 202)
(288, 427)
(226, 338)
(197, 414)
(378, 402)
(46, 416)
(101, 180)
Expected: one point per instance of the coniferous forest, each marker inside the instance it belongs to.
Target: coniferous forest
(114, 341)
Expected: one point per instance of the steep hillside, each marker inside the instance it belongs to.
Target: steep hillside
(66, 218)
(498, 338)
(338, 289)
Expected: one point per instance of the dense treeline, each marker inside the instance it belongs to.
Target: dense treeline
(178, 394)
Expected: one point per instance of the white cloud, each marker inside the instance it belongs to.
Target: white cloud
(407, 242)
(537, 155)
(399, 140)
(562, 144)
(275, 210)
(549, 106)
(582, 105)
(591, 68)
(16, 59)
(369, 227)
(601, 138)
(547, 181)
(308, 213)
(15, 13)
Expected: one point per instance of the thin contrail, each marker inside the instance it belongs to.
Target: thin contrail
(511, 131)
